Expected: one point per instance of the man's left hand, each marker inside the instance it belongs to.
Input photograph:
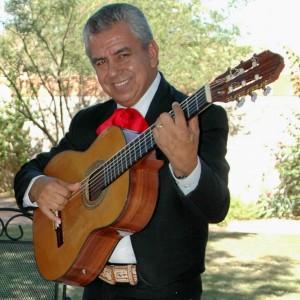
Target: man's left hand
(178, 139)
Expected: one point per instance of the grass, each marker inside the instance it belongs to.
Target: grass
(247, 266)
(239, 266)
(252, 266)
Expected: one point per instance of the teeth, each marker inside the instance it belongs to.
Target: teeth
(121, 83)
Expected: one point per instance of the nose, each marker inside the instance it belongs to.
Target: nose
(112, 69)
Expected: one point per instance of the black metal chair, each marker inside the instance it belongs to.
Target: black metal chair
(19, 277)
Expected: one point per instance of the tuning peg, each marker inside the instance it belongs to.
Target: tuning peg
(267, 91)
(254, 63)
(240, 102)
(253, 97)
(241, 71)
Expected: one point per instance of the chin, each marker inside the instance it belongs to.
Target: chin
(125, 102)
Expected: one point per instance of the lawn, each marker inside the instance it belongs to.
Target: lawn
(252, 266)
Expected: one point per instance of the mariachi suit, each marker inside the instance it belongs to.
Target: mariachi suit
(172, 246)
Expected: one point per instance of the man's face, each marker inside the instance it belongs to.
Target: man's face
(125, 69)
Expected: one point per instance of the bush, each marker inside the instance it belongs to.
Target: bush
(286, 200)
(241, 211)
(275, 206)
(15, 148)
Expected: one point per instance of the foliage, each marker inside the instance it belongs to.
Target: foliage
(42, 54)
(295, 71)
(15, 146)
(241, 211)
(43, 61)
(288, 194)
(286, 200)
(195, 45)
(277, 205)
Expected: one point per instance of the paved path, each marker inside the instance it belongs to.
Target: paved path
(7, 201)
(268, 226)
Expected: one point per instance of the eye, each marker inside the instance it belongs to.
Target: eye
(123, 55)
(100, 62)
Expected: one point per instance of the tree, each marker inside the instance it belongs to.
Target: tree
(42, 59)
(42, 55)
(15, 146)
(195, 44)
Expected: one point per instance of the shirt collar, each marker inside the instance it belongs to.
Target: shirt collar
(143, 104)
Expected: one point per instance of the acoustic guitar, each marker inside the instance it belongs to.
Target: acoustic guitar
(119, 182)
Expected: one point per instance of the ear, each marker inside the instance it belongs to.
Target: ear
(153, 51)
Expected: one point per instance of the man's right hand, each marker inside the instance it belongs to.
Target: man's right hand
(51, 195)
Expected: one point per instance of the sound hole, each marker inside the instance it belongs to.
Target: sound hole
(93, 195)
(94, 186)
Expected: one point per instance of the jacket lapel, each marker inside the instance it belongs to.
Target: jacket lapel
(161, 101)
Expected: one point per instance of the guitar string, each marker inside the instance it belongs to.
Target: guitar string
(137, 146)
(118, 158)
(147, 139)
(130, 149)
(108, 165)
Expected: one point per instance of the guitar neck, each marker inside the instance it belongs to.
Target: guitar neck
(144, 142)
(250, 75)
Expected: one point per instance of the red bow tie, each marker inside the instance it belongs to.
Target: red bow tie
(126, 118)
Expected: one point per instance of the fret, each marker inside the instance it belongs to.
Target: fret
(142, 144)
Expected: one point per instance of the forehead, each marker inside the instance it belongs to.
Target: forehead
(111, 40)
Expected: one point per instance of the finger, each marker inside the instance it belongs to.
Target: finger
(70, 186)
(157, 128)
(49, 214)
(180, 119)
(193, 124)
(74, 187)
(62, 189)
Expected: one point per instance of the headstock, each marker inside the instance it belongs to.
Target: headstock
(253, 74)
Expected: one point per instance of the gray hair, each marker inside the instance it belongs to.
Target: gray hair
(108, 15)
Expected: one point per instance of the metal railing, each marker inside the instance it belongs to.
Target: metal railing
(19, 277)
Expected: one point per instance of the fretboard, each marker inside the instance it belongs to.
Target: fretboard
(144, 142)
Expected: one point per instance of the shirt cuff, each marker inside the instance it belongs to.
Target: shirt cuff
(189, 183)
(26, 199)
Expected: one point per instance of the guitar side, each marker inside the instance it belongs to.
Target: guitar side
(90, 233)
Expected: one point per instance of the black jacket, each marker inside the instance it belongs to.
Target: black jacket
(172, 246)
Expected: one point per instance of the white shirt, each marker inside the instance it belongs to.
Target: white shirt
(123, 253)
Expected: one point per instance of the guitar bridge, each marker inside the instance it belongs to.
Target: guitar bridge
(58, 230)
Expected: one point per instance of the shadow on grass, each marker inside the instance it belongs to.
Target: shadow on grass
(247, 273)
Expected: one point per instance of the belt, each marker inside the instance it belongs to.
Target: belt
(119, 273)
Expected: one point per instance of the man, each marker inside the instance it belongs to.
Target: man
(168, 254)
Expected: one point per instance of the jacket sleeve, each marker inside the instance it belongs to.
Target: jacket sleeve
(36, 166)
(211, 196)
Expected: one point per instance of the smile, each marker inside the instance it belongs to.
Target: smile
(121, 83)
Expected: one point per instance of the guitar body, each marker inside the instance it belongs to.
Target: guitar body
(77, 251)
